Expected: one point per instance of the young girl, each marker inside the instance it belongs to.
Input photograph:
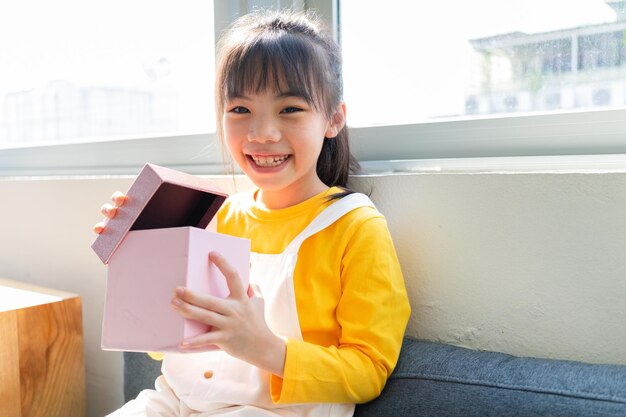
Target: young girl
(321, 326)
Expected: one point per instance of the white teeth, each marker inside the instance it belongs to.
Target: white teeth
(269, 161)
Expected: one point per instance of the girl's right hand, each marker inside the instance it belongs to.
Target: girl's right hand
(110, 210)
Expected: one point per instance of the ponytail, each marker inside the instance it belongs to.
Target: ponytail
(336, 162)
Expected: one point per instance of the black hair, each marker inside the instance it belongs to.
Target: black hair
(288, 52)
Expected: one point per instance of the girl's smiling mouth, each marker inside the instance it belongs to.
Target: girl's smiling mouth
(268, 161)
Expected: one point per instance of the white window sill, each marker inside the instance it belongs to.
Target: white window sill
(552, 164)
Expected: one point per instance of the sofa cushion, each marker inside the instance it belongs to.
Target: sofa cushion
(433, 379)
(140, 372)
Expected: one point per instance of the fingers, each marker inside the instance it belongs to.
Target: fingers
(227, 318)
(231, 275)
(207, 339)
(200, 312)
(184, 297)
(98, 227)
(108, 210)
(118, 198)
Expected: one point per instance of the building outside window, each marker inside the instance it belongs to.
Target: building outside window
(577, 67)
(82, 70)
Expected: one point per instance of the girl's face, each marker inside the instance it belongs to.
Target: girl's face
(276, 139)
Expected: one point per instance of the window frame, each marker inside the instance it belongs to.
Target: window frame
(389, 148)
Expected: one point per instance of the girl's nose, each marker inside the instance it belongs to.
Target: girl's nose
(263, 131)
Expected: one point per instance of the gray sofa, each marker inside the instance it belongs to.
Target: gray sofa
(433, 380)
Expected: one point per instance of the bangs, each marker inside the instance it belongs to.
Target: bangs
(280, 62)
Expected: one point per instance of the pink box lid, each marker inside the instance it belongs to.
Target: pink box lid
(160, 198)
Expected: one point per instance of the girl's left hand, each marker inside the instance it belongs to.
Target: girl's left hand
(237, 322)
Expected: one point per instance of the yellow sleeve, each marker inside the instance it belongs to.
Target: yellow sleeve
(157, 356)
(372, 313)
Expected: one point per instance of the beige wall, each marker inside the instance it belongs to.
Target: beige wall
(529, 263)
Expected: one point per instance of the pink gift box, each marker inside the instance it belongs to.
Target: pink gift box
(155, 243)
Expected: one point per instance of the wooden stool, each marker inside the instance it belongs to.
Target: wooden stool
(41, 352)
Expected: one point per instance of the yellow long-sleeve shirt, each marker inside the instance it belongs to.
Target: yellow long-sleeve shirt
(350, 297)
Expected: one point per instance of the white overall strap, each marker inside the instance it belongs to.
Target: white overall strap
(328, 216)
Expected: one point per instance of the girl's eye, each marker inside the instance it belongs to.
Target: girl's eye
(239, 109)
(291, 109)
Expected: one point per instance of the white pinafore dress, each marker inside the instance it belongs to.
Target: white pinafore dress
(237, 388)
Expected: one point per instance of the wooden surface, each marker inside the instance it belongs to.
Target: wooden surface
(41, 352)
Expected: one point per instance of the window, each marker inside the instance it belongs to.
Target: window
(83, 70)
(485, 78)
(456, 79)
(458, 59)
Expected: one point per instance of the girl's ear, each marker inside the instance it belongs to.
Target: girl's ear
(337, 122)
